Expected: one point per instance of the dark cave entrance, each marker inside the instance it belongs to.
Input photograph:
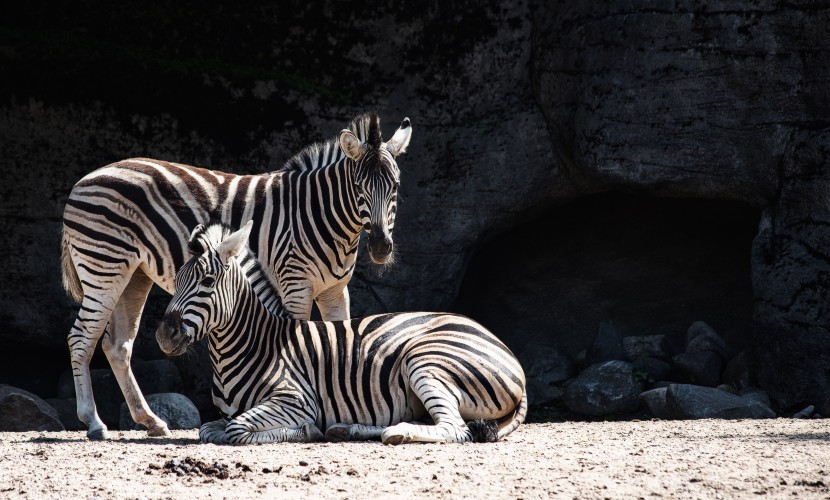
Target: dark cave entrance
(646, 265)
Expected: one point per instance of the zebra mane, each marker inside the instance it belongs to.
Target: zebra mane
(209, 236)
(366, 127)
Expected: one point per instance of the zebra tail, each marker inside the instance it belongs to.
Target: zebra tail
(508, 426)
(71, 282)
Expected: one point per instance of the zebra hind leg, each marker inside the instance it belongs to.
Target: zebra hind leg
(83, 337)
(118, 347)
(354, 432)
(442, 406)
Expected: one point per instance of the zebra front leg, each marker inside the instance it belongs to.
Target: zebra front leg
(213, 432)
(275, 420)
(334, 303)
(354, 432)
(118, 347)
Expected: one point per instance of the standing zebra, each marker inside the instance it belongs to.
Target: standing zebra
(125, 227)
(283, 379)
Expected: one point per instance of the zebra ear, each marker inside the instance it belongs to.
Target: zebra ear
(351, 145)
(233, 244)
(398, 143)
(194, 246)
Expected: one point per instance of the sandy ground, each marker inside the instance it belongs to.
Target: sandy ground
(670, 459)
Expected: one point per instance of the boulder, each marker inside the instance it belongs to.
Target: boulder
(655, 401)
(606, 346)
(175, 409)
(539, 393)
(546, 363)
(654, 346)
(68, 413)
(649, 370)
(604, 389)
(699, 367)
(701, 337)
(806, 412)
(756, 394)
(685, 401)
(737, 372)
(22, 411)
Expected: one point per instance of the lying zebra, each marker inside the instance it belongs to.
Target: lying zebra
(280, 379)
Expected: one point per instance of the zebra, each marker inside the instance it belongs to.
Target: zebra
(125, 227)
(277, 378)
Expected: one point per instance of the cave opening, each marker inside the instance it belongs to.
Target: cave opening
(646, 265)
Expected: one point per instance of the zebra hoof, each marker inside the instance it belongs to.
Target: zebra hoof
(98, 434)
(392, 437)
(312, 433)
(338, 433)
(159, 432)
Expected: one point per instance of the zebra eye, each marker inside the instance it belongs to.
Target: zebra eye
(207, 281)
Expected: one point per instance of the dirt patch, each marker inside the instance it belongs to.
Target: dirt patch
(670, 459)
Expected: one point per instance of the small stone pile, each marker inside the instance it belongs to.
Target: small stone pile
(620, 376)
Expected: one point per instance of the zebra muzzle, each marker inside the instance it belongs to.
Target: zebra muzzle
(172, 338)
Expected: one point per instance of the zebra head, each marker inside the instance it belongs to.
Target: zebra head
(206, 285)
(376, 181)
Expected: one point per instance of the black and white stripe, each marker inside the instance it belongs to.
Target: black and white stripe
(286, 379)
(126, 227)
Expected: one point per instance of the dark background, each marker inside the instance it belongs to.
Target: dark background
(571, 162)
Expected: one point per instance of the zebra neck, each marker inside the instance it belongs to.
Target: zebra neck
(331, 193)
(252, 322)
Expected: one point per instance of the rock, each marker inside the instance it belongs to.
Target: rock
(701, 337)
(737, 372)
(727, 388)
(67, 413)
(648, 369)
(22, 411)
(806, 412)
(175, 409)
(692, 402)
(756, 394)
(699, 367)
(604, 389)
(655, 401)
(546, 363)
(654, 346)
(606, 346)
(539, 393)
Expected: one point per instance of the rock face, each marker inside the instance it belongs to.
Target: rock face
(518, 108)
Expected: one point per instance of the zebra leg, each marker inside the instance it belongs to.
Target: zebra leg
(334, 303)
(442, 404)
(213, 432)
(354, 432)
(118, 347)
(269, 422)
(82, 339)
